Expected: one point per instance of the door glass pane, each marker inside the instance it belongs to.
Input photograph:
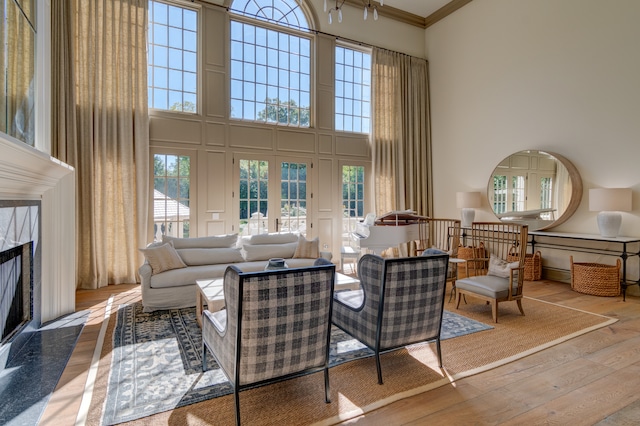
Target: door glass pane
(518, 193)
(293, 197)
(499, 193)
(253, 196)
(546, 194)
(352, 199)
(171, 180)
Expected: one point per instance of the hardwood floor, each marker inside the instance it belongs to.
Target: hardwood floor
(593, 379)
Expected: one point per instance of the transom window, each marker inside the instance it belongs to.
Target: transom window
(270, 69)
(173, 44)
(353, 90)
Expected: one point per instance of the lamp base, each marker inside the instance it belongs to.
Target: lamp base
(609, 224)
(467, 215)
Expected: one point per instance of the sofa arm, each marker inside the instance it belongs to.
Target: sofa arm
(326, 255)
(145, 275)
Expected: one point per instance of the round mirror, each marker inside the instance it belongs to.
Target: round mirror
(536, 188)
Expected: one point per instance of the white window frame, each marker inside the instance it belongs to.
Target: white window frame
(359, 120)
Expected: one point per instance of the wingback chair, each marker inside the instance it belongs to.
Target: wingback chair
(499, 256)
(400, 302)
(276, 325)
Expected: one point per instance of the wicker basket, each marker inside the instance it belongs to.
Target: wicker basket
(595, 278)
(470, 252)
(532, 265)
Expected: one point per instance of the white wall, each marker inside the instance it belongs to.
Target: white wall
(561, 76)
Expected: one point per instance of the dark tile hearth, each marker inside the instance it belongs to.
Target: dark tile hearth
(32, 373)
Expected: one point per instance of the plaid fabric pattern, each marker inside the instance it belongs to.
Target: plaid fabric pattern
(215, 338)
(284, 326)
(414, 290)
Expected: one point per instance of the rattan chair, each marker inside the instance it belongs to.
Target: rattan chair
(494, 277)
(276, 325)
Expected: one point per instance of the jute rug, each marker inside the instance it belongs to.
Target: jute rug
(354, 388)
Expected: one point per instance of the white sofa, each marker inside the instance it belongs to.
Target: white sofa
(171, 268)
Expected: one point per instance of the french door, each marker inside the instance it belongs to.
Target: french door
(272, 194)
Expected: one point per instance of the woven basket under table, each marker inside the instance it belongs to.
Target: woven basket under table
(595, 278)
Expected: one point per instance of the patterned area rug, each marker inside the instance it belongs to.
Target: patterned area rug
(157, 362)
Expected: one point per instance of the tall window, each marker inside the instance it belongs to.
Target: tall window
(173, 43)
(270, 69)
(353, 90)
(352, 198)
(171, 192)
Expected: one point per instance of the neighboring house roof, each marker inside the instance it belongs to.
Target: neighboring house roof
(166, 207)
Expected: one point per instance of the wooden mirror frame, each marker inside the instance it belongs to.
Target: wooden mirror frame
(576, 189)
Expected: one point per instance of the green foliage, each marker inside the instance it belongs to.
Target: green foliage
(186, 106)
(287, 112)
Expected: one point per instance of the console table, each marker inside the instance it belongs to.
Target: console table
(626, 247)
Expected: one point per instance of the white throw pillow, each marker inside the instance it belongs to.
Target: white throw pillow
(500, 268)
(215, 241)
(307, 249)
(163, 258)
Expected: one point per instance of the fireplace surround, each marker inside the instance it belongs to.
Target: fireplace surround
(37, 196)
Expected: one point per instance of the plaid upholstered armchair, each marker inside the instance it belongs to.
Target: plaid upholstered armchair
(400, 302)
(277, 324)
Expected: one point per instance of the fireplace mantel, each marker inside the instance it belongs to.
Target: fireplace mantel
(29, 174)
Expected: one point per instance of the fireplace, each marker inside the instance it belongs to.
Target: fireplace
(20, 269)
(16, 284)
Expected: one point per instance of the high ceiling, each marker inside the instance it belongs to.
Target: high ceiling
(421, 13)
(422, 8)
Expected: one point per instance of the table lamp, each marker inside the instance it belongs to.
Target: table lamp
(468, 201)
(609, 202)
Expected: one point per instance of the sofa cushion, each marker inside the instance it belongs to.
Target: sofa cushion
(307, 249)
(210, 256)
(163, 258)
(216, 241)
(253, 252)
(187, 276)
(273, 239)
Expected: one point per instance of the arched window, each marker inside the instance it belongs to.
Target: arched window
(270, 68)
(282, 12)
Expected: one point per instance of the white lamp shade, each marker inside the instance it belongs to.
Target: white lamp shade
(610, 199)
(468, 200)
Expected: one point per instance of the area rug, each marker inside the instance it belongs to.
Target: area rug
(354, 388)
(157, 360)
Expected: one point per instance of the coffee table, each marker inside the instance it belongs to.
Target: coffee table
(210, 292)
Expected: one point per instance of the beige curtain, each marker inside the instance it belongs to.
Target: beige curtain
(401, 137)
(17, 67)
(101, 127)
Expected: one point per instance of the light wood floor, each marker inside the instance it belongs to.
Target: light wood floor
(592, 379)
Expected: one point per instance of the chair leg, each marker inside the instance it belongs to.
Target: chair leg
(379, 368)
(204, 357)
(439, 352)
(327, 399)
(237, 402)
(494, 310)
(458, 298)
(519, 301)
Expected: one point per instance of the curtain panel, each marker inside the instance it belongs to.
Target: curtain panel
(401, 137)
(101, 127)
